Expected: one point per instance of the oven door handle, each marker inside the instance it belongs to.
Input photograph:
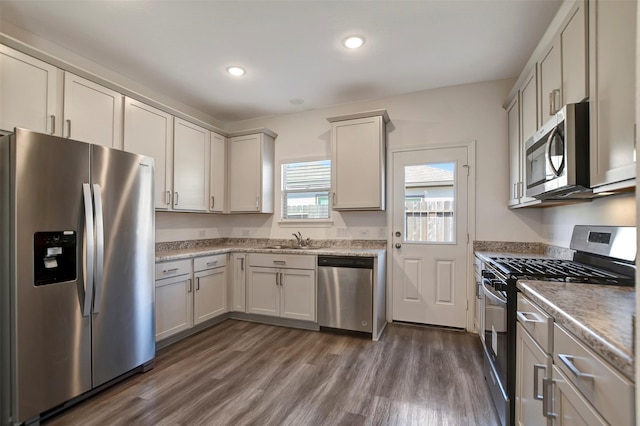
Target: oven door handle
(491, 295)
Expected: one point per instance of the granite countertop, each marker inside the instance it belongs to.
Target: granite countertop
(187, 253)
(599, 315)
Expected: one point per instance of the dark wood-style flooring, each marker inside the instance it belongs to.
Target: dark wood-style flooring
(243, 373)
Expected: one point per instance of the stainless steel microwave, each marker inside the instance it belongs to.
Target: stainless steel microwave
(557, 156)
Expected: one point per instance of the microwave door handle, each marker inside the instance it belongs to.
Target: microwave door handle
(556, 172)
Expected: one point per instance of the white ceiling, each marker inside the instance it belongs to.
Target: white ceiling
(291, 49)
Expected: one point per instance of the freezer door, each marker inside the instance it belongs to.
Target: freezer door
(123, 311)
(51, 337)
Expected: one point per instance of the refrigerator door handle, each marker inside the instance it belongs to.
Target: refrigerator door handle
(89, 247)
(97, 200)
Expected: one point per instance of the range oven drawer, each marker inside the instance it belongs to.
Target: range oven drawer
(538, 323)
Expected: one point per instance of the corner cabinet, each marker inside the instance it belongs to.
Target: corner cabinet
(612, 53)
(358, 156)
(149, 131)
(217, 174)
(251, 172)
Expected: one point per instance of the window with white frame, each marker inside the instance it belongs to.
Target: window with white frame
(305, 190)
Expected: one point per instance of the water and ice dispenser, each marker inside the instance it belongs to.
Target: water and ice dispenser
(54, 257)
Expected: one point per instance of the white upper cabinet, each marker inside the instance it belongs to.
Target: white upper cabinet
(217, 174)
(358, 155)
(92, 113)
(149, 131)
(612, 53)
(563, 66)
(191, 146)
(28, 93)
(250, 173)
(529, 121)
(574, 42)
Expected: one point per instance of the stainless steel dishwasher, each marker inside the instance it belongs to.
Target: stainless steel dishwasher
(345, 293)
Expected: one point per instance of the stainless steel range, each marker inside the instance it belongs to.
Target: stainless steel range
(603, 255)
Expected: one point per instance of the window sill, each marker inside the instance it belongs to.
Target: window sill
(318, 223)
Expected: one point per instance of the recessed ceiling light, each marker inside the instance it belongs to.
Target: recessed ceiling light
(235, 71)
(353, 42)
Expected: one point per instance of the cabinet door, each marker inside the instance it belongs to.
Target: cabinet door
(298, 294)
(529, 107)
(28, 92)
(217, 173)
(550, 80)
(174, 306)
(532, 365)
(190, 166)
(92, 113)
(149, 131)
(569, 406)
(357, 168)
(238, 282)
(612, 26)
(513, 119)
(263, 291)
(573, 39)
(244, 174)
(210, 296)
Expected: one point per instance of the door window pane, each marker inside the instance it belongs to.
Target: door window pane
(429, 203)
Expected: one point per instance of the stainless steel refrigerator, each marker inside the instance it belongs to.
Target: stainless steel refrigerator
(76, 268)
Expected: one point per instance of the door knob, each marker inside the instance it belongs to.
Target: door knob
(398, 245)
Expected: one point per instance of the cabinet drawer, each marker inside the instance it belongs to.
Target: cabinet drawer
(607, 390)
(537, 322)
(209, 262)
(298, 261)
(173, 268)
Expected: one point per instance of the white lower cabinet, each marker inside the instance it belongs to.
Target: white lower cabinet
(237, 284)
(533, 366)
(210, 294)
(174, 298)
(185, 298)
(569, 406)
(286, 291)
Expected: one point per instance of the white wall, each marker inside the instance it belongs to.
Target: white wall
(558, 222)
(433, 117)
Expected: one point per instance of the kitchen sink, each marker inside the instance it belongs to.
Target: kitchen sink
(290, 247)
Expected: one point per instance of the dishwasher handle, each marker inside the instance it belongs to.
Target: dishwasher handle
(346, 262)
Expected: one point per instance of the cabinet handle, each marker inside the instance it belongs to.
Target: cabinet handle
(522, 317)
(536, 379)
(520, 189)
(175, 198)
(258, 202)
(552, 101)
(242, 263)
(164, 271)
(198, 283)
(280, 262)
(514, 192)
(213, 201)
(281, 279)
(53, 124)
(214, 262)
(546, 397)
(68, 129)
(277, 278)
(190, 286)
(167, 198)
(333, 199)
(568, 361)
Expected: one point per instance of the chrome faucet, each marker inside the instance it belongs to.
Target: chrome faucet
(301, 241)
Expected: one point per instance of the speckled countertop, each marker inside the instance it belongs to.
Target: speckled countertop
(599, 315)
(186, 250)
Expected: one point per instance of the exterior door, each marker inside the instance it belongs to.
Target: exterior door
(429, 225)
